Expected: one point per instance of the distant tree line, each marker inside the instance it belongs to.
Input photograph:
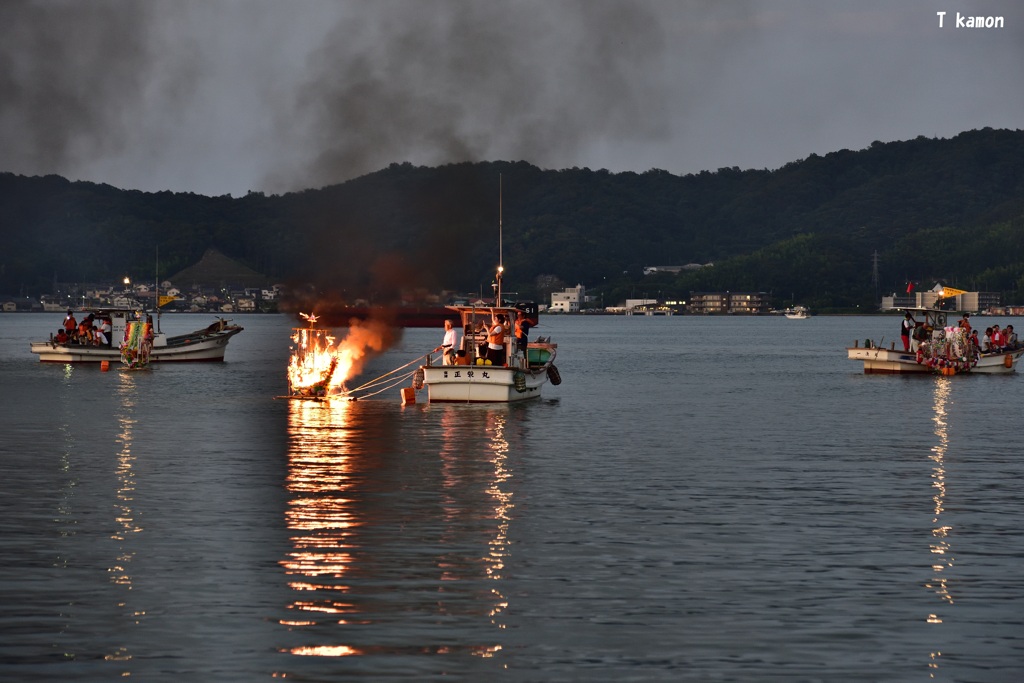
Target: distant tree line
(946, 210)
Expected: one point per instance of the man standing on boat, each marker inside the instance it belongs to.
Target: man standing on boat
(496, 339)
(448, 344)
(907, 329)
(70, 325)
(522, 331)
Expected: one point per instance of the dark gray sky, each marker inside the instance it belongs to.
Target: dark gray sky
(226, 96)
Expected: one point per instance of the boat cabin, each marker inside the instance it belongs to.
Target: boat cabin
(476, 323)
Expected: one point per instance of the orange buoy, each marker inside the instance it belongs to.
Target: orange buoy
(1008, 360)
(104, 365)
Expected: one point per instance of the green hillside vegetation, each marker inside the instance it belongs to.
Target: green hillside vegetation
(934, 210)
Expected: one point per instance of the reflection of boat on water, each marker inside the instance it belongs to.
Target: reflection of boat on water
(349, 560)
(206, 344)
(942, 558)
(940, 347)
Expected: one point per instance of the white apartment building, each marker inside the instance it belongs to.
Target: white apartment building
(568, 300)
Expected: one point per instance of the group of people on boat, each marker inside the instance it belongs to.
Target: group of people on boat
(489, 339)
(92, 331)
(957, 345)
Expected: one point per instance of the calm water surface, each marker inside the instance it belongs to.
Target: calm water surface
(701, 499)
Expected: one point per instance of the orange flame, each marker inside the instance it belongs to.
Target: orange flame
(320, 365)
(312, 367)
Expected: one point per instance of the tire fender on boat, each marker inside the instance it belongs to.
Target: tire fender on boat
(553, 375)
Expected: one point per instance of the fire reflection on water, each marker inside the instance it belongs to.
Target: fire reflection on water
(349, 563)
(940, 546)
(319, 513)
(499, 496)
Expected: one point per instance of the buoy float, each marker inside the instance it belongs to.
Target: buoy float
(519, 380)
(105, 365)
(1008, 360)
(408, 395)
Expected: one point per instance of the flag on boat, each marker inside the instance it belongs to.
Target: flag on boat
(910, 287)
(949, 291)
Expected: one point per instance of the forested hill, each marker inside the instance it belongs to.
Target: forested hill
(949, 210)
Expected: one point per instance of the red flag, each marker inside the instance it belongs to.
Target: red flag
(910, 287)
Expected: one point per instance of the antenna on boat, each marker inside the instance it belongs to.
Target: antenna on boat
(501, 266)
(157, 283)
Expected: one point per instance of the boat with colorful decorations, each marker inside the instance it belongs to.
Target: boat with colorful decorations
(206, 344)
(940, 346)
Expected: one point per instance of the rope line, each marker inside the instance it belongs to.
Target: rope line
(394, 384)
(372, 382)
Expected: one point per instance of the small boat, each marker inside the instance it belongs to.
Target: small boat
(471, 378)
(796, 313)
(939, 347)
(509, 376)
(206, 344)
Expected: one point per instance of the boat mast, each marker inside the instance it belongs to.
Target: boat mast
(157, 283)
(501, 267)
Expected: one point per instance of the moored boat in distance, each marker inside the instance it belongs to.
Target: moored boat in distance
(939, 346)
(796, 313)
(206, 344)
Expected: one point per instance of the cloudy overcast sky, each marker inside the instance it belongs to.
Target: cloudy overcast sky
(227, 96)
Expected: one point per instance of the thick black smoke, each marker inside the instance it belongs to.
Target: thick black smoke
(446, 81)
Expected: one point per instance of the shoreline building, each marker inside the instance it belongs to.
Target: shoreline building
(729, 303)
(568, 300)
(971, 302)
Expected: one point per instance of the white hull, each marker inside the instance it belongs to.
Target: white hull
(203, 345)
(480, 384)
(879, 361)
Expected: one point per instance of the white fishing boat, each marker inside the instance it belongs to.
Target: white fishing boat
(206, 344)
(796, 313)
(474, 378)
(939, 346)
(476, 374)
